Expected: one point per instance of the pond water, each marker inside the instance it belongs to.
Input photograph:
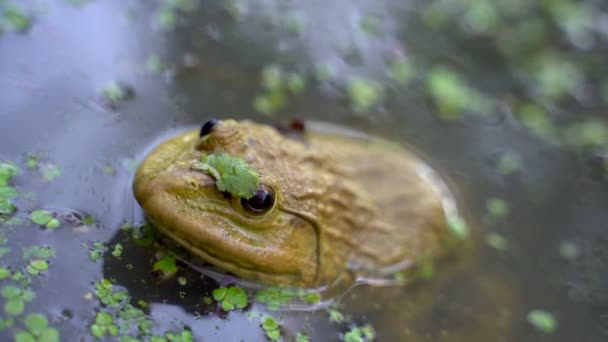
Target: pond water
(507, 99)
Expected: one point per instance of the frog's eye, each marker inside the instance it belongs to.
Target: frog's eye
(262, 201)
(208, 127)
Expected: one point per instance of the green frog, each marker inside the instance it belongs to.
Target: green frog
(330, 204)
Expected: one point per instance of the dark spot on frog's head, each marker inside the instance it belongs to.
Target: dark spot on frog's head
(208, 127)
(252, 142)
(294, 130)
(297, 125)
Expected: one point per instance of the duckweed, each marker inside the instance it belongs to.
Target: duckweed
(166, 265)
(294, 24)
(104, 325)
(591, 133)
(232, 174)
(271, 327)
(37, 330)
(369, 24)
(32, 161)
(335, 316)
(274, 297)
(37, 266)
(458, 227)
(7, 192)
(17, 19)
(295, 83)
(359, 334)
(42, 252)
(427, 270)
(497, 207)
(272, 77)
(230, 297)
(363, 94)
(537, 121)
(402, 70)
(44, 218)
(154, 63)
(4, 273)
(542, 320)
(452, 95)
(7, 171)
(569, 250)
(509, 163)
(104, 292)
(6, 207)
(497, 241)
(15, 298)
(97, 251)
(324, 72)
(50, 172)
(117, 251)
(301, 337)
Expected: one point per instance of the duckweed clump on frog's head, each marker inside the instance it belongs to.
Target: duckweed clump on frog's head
(232, 174)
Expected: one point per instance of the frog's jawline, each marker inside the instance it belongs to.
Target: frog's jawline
(212, 258)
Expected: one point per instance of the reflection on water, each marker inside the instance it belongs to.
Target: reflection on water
(506, 98)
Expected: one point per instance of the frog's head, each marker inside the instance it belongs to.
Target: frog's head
(261, 238)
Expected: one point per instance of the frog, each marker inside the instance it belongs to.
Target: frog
(331, 205)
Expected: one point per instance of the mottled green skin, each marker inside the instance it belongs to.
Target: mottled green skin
(344, 205)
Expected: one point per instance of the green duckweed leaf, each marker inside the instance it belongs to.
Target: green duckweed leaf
(49, 335)
(8, 192)
(363, 94)
(36, 266)
(6, 207)
(50, 172)
(41, 217)
(231, 297)
(14, 306)
(36, 323)
(271, 327)
(166, 265)
(7, 171)
(497, 241)
(295, 83)
(24, 336)
(4, 273)
(232, 174)
(301, 337)
(542, 320)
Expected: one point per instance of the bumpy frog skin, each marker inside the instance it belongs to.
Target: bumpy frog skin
(342, 205)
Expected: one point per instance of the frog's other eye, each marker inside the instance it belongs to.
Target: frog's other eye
(208, 127)
(262, 200)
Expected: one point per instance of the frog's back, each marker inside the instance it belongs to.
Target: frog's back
(411, 201)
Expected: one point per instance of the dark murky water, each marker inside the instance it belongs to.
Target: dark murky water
(52, 105)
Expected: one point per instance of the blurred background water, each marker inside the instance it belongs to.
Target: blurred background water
(507, 98)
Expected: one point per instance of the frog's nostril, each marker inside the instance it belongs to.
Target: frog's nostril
(208, 127)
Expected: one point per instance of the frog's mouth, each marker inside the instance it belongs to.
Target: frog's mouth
(243, 270)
